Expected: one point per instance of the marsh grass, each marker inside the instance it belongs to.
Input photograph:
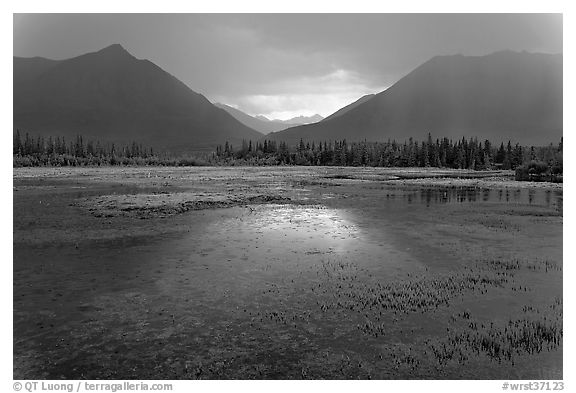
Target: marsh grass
(346, 287)
(535, 332)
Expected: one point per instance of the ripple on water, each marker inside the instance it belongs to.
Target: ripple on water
(288, 236)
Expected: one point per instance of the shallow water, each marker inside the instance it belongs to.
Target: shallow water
(452, 195)
(282, 239)
(267, 258)
(252, 291)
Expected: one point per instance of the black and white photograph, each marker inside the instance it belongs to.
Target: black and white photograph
(287, 196)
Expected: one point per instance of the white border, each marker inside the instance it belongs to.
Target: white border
(305, 6)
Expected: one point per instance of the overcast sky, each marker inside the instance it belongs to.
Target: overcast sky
(284, 65)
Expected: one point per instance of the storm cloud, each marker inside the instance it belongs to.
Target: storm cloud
(282, 65)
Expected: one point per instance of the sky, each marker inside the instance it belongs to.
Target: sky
(285, 65)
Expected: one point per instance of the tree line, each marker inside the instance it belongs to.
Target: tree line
(57, 151)
(445, 153)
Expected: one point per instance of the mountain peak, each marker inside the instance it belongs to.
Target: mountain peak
(114, 50)
(504, 96)
(110, 96)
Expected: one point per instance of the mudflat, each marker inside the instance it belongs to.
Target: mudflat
(291, 272)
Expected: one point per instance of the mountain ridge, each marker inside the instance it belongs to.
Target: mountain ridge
(503, 96)
(350, 106)
(111, 95)
(263, 124)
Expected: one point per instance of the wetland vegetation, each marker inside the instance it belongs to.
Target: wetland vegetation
(293, 272)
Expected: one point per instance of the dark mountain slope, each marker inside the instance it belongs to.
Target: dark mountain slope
(502, 96)
(110, 95)
(348, 107)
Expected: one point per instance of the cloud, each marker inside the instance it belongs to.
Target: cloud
(317, 63)
(281, 63)
(305, 95)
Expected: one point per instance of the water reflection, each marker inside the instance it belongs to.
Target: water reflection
(290, 227)
(267, 241)
(441, 195)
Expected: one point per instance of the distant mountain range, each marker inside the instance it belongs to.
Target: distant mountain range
(263, 124)
(298, 120)
(110, 95)
(503, 96)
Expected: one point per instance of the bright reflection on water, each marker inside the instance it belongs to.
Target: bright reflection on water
(264, 258)
(306, 225)
(270, 237)
(288, 231)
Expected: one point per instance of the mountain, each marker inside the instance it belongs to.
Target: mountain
(256, 123)
(503, 96)
(110, 95)
(353, 105)
(263, 124)
(294, 121)
(299, 120)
